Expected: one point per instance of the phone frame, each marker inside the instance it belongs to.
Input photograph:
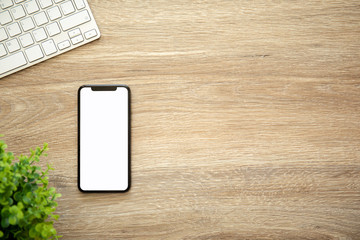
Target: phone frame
(104, 87)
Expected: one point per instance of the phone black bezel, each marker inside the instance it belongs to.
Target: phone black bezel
(104, 86)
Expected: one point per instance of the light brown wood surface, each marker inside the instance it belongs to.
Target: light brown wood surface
(245, 119)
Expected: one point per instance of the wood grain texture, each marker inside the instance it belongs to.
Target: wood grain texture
(245, 119)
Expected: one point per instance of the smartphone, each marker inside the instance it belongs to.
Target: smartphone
(104, 138)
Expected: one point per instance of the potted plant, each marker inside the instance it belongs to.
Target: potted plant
(27, 203)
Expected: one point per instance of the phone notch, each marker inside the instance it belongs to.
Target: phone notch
(104, 88)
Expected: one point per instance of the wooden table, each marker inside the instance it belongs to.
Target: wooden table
(245, 119)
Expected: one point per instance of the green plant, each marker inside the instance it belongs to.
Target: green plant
(27, 202)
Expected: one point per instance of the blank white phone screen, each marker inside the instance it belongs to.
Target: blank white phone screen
(103, 140)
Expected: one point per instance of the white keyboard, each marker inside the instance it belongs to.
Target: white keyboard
(32, 31)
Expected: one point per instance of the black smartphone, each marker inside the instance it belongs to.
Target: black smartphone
(104, 138)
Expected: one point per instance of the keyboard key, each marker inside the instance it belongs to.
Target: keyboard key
(19, 1)
(2, 50)
(26, 40)
(27, 24)
(18, 12)
(53, 29)
(41, 18)
(39, 34)
(34, 53)
(67, 8)
(31, 6)
(12, 62)
(45, 3)
(77, 39)
(5, 17)
(6, 3)
(13, 29)
(13, 45)
(75, 20)
(90, 34)
(3, 34)
(49, 47)
(57, 1)
(79, 4)
(54, 13)
(74, 32)
(64, 44)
